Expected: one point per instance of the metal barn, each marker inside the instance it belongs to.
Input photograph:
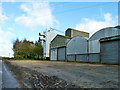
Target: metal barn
(77, 49)
(110, 50)
(94, 44)
(58, 47)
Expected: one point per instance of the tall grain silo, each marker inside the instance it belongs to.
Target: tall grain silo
(48, 36)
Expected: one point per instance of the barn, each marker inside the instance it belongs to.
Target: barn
(98, 45)
(58, 47)
(103, 46)
(110, 50)
(77, 49)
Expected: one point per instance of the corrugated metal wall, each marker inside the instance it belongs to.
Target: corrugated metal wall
(62, 53)
(119, 52)
(78, 57)
(77, 49)
(70, 57)
(94, 44)
(82, 57)
(53, 54)
(94, 57)
(81, 49)
(109, 52)
(59, 41)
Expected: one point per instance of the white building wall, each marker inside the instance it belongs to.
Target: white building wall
(49, 36)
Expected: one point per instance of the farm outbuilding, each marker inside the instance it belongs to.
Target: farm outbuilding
(77, 49)
(58, 47)
(102, 46)
(110, 50)
(94, 43)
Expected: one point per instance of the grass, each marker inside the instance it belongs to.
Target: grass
(84, 62)
(53, 60)
(25, 59)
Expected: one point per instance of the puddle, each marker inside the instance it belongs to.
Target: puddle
(8, 79)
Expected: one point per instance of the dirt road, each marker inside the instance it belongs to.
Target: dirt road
(76, 74)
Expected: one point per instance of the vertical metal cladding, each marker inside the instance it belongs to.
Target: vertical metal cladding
(94, 44)
(53, 54)
(89, 50)
(58, 47)
(82, 57)
(110, 50)
(62, 53)
(71, 57)
(77, 49)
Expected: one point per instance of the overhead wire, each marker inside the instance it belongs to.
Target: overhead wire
(76, 9)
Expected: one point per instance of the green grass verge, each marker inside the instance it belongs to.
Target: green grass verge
(25, 59)
(84, 62)
(54, 61)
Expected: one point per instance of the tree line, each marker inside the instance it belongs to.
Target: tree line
(25, 49)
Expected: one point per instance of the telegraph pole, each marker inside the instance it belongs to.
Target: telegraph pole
(9, 54)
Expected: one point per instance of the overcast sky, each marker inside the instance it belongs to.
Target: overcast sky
(26, 19)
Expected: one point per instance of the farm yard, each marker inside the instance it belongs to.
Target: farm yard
(54, 74)
(62, 44)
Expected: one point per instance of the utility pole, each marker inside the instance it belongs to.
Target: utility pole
(9, 55)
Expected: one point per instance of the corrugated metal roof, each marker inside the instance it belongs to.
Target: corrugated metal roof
(117, 27)
(105, 32)
(59, 41)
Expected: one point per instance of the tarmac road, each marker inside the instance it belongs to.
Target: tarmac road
(8, 79)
